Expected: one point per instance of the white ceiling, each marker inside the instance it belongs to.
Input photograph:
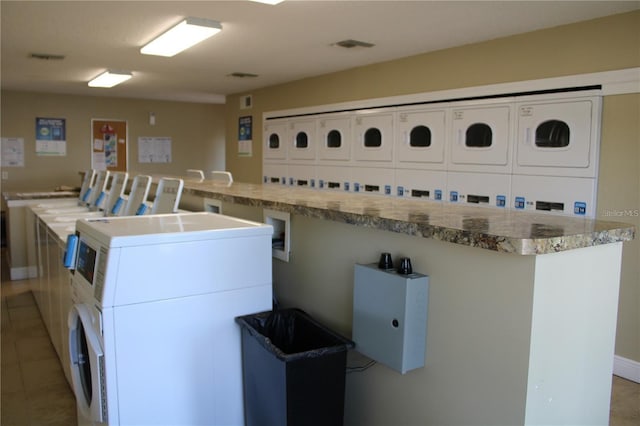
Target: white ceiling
(289, 41)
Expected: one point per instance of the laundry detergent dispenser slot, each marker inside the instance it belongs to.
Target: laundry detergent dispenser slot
(390, 316)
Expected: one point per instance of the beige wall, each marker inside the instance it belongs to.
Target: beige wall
(609, 43)
(197, 132)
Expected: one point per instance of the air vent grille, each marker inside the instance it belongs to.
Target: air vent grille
(242, 75)
(46, 56)
(350, 44)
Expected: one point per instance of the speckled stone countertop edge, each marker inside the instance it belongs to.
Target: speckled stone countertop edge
(543, 234)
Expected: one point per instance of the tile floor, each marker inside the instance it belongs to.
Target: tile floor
(35, 392)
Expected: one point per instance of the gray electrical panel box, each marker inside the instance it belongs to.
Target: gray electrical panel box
(390, 316)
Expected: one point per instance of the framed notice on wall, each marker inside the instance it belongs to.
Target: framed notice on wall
(245, 136)
(109, 145)
(51, 136)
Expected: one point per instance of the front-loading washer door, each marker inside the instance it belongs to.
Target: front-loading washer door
(87, 365)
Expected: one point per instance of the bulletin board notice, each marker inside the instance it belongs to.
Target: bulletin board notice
(109, 145)
(153, 149)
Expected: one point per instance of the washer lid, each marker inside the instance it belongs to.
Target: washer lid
(167, 228)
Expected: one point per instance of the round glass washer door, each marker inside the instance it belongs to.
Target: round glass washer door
(87, 365)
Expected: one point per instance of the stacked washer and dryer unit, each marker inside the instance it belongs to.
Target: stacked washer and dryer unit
(534, 151)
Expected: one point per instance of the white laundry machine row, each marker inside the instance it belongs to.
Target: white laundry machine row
(478, 145)
(152, 337)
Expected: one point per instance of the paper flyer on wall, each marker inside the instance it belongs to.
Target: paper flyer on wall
(245, 142)
(154, 149)
(51, 138)
(12, 152)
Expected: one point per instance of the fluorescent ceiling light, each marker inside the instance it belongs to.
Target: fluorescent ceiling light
(187, 33)
(110, 78)
(268, 1)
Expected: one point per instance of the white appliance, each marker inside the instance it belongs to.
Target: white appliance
(89, 200)
(275, 140)
(480, 138)
(334, 139)
(421, 138)
(88, 182)
(274, 152)
(152, 335)
(373, 138)
(302, 139)
(558, 137)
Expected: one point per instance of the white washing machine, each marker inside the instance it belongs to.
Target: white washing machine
(152, 335)
(558, 137)
(421, 138)
(91, 199)
(480, 138)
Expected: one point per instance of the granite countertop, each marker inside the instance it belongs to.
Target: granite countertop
(38, 195)
(506, 231)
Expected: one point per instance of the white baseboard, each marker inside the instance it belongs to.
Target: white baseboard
(626, 368)
(23, 272)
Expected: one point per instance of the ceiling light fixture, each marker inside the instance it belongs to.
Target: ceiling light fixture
(272, 2)
(110, 78)
(187, 33)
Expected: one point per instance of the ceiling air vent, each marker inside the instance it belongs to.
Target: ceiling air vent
(349, 44)
(46, 56)
(242, 75)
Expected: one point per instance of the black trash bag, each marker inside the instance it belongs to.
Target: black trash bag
(280, 328)
(293, 333)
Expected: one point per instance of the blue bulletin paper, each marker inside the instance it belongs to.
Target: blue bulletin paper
(245, 136)
(51, 136)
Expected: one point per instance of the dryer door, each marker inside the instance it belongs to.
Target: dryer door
(480, 139)
(87, 365)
